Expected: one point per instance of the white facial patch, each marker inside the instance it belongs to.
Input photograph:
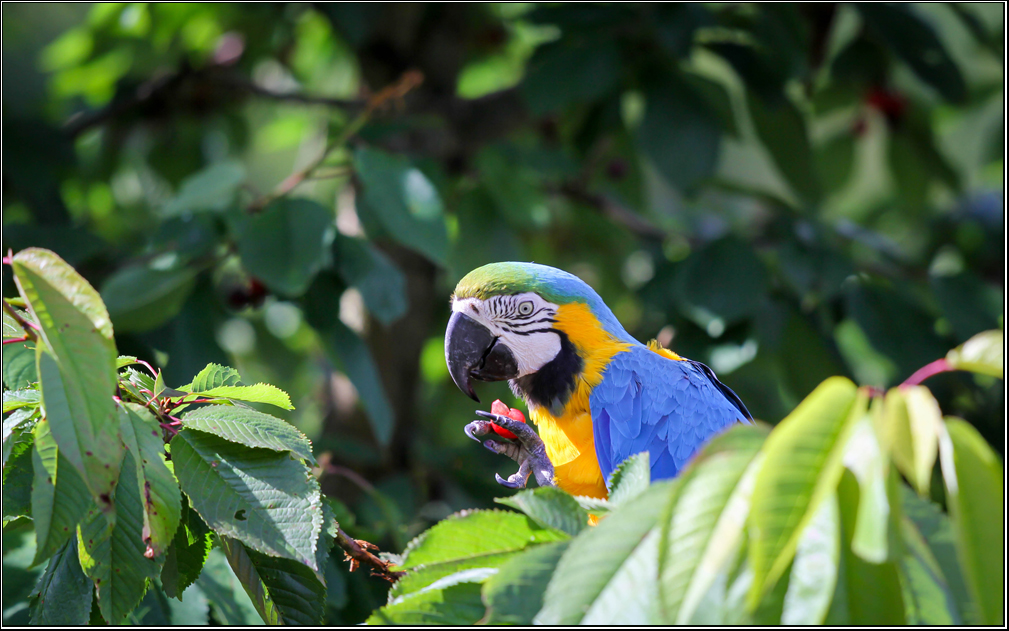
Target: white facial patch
(524, 322)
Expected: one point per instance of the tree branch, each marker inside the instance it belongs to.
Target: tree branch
(356, 552)
(613, 210)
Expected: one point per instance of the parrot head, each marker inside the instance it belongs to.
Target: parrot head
(504, 323)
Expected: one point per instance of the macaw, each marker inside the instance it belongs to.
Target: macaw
(596, 394)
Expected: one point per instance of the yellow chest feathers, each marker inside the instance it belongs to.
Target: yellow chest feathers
(568, 436)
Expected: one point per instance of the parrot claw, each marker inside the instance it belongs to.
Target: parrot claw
(527, 450)
(476, 429)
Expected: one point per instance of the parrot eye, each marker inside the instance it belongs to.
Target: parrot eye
(526, 308)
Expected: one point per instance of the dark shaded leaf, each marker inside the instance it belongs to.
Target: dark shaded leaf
(365, 267)
(287, 243)
(913, 40)
(404, 201)
(141, 298)
(679, 133)
(63, 594)
(515, 594)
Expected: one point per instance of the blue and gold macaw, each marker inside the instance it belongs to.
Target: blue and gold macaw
(596, 394)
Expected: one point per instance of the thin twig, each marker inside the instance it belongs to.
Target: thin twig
(410, 80)
(295, 97)
(614, 210)
(356, 552)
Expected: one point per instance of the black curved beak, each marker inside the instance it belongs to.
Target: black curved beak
(472, 352)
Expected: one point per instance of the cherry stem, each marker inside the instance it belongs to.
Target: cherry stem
(926, 371)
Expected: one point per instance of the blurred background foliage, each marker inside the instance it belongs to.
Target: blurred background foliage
(784, 192)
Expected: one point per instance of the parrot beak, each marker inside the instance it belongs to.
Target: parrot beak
(472, 352)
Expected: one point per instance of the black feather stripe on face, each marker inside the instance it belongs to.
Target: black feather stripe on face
(552, 385)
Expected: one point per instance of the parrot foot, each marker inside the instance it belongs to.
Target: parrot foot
(527, 450)
(476, 429)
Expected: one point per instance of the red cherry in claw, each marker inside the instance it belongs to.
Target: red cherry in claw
(503, 410)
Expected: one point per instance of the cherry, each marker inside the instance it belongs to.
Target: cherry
(515, 414)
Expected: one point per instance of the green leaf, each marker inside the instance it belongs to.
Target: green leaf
(515, 594)
(142, 298)
(17, 481)
(404, 201)
(927, 597)
(212, 189)
(350, 352)
(630, 479)
(453, 600)
(213, 376)
(981, 353)
(228, 600)
(973, 476)
(287, 243)
(608, 574)
(19, 365)
(467, 540)
(158, 488)
(564, 72)
(16, 399)
(112, 555)
(872, 590)
(250, 428)
(284, 592)
(258, 393)
(911, 425)
(60, 499)
(915, 41)
(382, 285)
(46, 265)
(63, 594)
(263, 498)
(550, 507)
(186, 554)
(77, 369)
(781, 128)
(193, 609)
(803, 456)
(865, 459)
(813, 577)
(937, 529)
(705, 529)
(125, 360)
(680, 133)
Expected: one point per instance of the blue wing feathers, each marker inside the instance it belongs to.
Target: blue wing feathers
(647, 402)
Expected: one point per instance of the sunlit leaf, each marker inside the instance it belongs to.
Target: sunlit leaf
(981, 353)
(113, 555)
(468, 540)
(265, 499)
(802, 467)
(515, 594)
(550, 507)
(158, 488)
(251, 428)
(60, 498)
(973, 475)
(608, 573)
